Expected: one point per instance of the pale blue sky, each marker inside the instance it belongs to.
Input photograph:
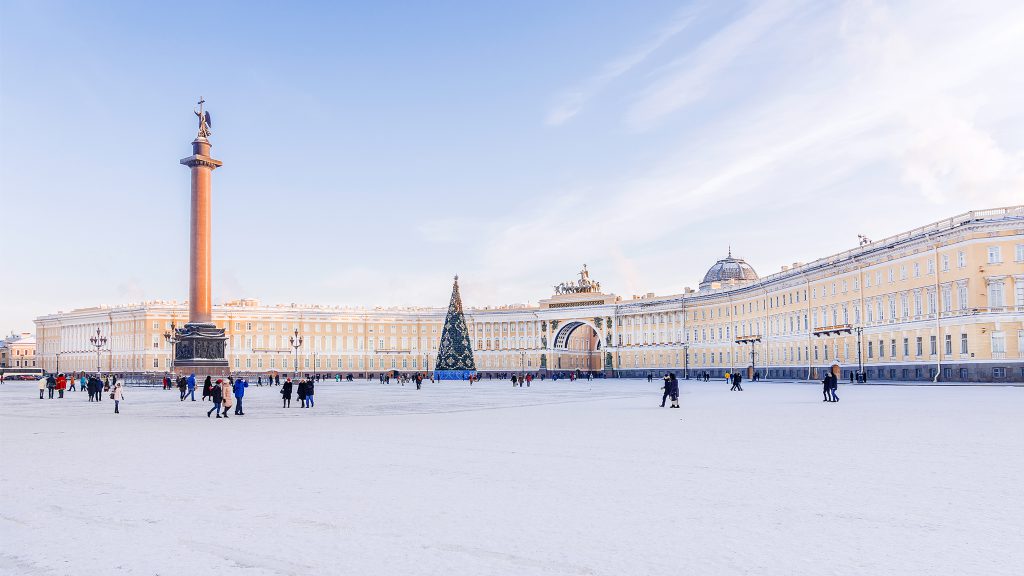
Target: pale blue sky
(373, 150)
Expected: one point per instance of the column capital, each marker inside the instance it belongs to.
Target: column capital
(200, 160)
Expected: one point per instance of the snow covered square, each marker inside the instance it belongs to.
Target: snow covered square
(583, 478)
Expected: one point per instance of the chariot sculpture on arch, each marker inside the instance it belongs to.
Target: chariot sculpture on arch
(582, 286)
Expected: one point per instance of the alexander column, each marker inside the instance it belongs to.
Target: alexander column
(200, 347)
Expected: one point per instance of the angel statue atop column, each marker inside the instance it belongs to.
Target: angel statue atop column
(204, 119)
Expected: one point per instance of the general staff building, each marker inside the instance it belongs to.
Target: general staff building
(941, 302)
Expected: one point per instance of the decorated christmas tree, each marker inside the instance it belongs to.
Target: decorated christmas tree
(455, 354)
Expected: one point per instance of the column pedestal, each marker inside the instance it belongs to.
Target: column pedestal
(200, 350)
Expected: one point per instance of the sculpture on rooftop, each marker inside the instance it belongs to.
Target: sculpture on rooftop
(582, 286)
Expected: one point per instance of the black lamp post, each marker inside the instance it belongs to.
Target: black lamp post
(860, 360)
(296, 342)
(686, 360)
(98, 341)
(172, 338)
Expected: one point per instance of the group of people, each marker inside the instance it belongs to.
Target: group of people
(304, 390)
(829, 385)
(735, 378)
(223, 393)
(96, 388)
(671, 390)
(519, 380)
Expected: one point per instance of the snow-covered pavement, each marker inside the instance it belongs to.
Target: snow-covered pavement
(561, 478)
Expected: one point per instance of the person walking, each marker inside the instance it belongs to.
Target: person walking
(665, 389)
(300, 392)
(737, 379)
(117, 395)
(309, 394)
(673, 390)
(207, 387)
(215, 394)
(286, 393)
(225, 395)
(826, 387)
(239, 390)
(71, 383)
(833, 387)
(190, 385)
(82, 382)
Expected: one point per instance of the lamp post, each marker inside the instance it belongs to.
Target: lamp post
(686, 360)
(860, 360)
(296, 342)
(522, 363)
(171, 338)
(753, 367)
(98, 341)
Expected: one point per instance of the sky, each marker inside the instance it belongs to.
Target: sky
(373, 150)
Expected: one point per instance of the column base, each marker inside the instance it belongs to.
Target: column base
(200, 350)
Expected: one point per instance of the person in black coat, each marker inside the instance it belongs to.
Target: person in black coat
(286, 393)
(828, 387)
(666, 392)
(207, 388)
(309, 394)
(672, 387)
(300, 392)
(217, 394)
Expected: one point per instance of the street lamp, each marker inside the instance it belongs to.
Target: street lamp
(296, 343)
(98, 341)
(172, 338)
(860, 360)
(686, 360)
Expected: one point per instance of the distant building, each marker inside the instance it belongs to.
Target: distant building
(943, 300)
(18, 351)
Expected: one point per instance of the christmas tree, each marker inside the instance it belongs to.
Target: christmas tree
(455, 354)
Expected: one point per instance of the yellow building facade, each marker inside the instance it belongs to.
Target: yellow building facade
(941, 302)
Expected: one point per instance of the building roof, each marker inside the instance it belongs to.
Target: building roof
(729, 269)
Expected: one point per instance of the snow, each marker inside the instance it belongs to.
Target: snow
(561, 478)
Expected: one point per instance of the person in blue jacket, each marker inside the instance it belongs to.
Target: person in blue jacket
(238, 389)
(191, 384)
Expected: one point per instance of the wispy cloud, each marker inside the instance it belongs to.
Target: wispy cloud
(690, 77)
(572, 101)
(873, 107)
